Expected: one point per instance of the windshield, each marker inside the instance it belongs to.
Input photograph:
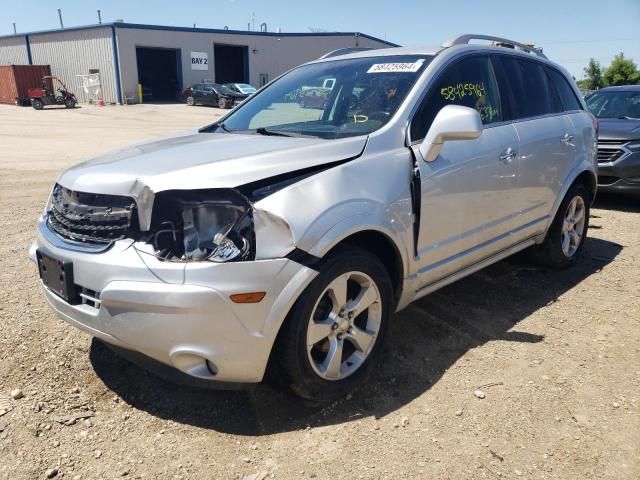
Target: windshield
(335, 99)
(619, 104)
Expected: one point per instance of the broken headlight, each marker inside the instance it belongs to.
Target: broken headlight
(215, 226)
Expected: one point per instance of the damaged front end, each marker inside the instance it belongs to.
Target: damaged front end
(89, 219)
(214, 225)
(202, 225)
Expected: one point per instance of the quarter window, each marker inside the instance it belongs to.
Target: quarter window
(469, 83)
(566, 93)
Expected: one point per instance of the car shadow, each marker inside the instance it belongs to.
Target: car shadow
(426, 339)
(53, 108)
(622, 203)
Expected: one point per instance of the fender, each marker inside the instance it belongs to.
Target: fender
(368, 222)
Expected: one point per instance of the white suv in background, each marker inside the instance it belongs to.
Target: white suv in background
(284, 237)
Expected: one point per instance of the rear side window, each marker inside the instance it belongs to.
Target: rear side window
(527, 87)
(565, 92)
(470, 83)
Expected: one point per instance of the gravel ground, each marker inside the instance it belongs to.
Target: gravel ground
(556, 356)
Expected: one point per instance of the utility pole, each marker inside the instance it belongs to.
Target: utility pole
(14, 28)
(99, 17)
(60, 17)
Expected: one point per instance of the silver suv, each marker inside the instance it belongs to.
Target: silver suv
(285, 235)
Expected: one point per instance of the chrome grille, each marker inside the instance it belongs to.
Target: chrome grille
(90, 218)
(610, 150)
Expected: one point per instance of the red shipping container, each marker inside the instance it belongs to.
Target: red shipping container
(15, 80)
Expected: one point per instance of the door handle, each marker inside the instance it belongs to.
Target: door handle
(507, 156)
(566, 139)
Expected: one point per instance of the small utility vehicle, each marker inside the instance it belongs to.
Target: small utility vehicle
(49, 95)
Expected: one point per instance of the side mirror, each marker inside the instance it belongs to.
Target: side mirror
(453, 122)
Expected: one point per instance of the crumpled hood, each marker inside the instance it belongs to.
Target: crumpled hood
(199, 161)
(618, 129)
(204, 160)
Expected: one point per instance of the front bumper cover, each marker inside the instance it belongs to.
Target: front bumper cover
(179, 313)
(621, 175)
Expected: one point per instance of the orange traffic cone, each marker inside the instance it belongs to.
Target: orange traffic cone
(100, 101)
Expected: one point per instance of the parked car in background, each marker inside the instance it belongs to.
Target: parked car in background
(212, 94)
(243, 88)
(316, 96)
(618, 113)
(284, 239)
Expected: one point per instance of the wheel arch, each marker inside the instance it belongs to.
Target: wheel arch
(384, 248)
(580, 174)
(589, 180)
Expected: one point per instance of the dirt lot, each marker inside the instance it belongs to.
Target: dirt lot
(557, 355)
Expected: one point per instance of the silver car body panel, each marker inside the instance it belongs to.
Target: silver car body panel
(200, 161)
(475, 210)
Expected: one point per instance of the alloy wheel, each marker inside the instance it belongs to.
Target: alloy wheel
(573, 226)
(344, 326)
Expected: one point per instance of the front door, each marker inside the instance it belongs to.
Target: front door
(468, 193)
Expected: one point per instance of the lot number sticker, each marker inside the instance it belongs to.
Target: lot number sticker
(396, 67)
(199, 61)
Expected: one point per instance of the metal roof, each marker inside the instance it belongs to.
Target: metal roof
(201, 30)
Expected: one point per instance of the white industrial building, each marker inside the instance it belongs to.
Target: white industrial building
(164, 59)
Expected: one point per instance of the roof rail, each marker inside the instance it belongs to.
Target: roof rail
(344, 51)
(464, 40)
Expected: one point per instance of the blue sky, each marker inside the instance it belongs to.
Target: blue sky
(570, 31)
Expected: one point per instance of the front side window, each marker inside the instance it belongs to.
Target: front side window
(470, 83)
(615, 104)
(334, 99)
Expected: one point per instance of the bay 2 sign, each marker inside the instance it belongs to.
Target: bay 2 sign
(199, 61)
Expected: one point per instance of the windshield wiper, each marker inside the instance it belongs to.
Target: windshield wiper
(279, 133)
(627, 117)
(223, 127)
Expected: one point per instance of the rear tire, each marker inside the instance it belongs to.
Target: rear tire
(566, 236)
(335, 331)
(37, 104)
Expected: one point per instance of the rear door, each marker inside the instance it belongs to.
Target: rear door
(468, 192)
(546, 134)
(196, 92)
(210, 96)
(584, 140)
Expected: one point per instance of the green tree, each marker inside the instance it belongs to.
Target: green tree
(622, 71)
(593, 76)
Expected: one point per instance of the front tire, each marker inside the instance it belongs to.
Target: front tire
(191, 101)
(566, 236)
(335, 331)
(70, 103)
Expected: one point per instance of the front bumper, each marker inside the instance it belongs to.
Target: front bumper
(176, 313)
(621, 175)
